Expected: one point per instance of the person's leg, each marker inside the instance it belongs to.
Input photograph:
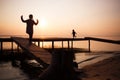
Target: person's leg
(30, 38)
(73, 36)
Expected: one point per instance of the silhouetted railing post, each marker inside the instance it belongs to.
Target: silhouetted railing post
(62, 44)
(39, 43)
(42, 44)
(68, 44)
(52, 45)
(1, 46)
(72, 44)
(12, 46)
(89, 45)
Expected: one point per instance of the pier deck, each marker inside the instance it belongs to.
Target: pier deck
(41, 55)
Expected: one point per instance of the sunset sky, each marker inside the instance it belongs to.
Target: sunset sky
(59, 17)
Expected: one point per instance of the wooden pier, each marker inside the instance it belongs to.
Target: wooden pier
(39, 54)
(59, 63)
(62, 40)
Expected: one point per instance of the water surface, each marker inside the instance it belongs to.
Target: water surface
(8, 72)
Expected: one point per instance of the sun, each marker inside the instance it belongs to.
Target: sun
(43, 22)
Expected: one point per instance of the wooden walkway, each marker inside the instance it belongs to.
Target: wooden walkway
(41, 55)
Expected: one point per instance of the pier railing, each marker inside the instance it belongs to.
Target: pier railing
(53, 40)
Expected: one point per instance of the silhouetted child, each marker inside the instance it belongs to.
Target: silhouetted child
(29, 29)
(74, 33)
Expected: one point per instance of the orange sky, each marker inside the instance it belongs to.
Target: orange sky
(58, 18)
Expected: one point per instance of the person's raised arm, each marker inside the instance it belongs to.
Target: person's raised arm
(36, 22)
(22, 19)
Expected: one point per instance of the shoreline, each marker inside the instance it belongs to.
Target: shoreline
(107, 69)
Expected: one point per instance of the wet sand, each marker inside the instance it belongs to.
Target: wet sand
(107, 69)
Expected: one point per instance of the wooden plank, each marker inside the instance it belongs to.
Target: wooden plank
(41, 55)
(5, 39)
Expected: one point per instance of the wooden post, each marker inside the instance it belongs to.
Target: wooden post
(39, 43)
(52, 45)
(62, 44)
(1, 46)
(72, 44)
(12, 46)
(42, 44)
(68, 44)
(89, 45)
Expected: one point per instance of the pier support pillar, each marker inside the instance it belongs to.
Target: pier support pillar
(61, 67)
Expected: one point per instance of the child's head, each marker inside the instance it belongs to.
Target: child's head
(31, 16)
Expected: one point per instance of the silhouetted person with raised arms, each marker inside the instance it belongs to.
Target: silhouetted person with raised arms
(29, 29)
(74, 33)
